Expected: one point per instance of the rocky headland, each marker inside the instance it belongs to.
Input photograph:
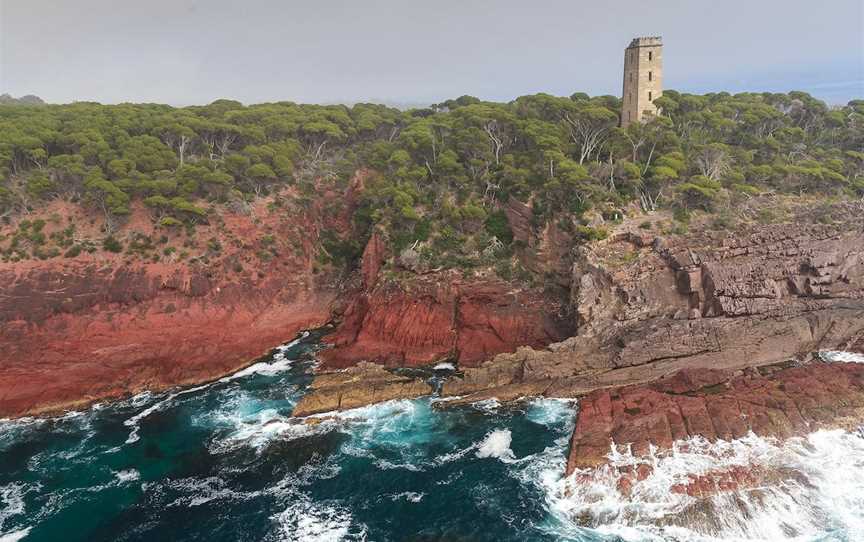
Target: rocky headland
(664, 335)
(709, 334)
(646, 306)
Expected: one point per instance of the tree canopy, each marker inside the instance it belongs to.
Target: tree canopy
(441, 175)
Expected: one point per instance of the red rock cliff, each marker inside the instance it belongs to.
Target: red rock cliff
(442, 317)
(716, 405)
(74, 331)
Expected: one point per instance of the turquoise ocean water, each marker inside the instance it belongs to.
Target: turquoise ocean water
(225, 461)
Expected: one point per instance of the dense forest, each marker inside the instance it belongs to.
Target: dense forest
(441, 175)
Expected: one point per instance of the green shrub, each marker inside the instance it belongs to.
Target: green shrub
(587, 233)
(169, 222)
(111, 244)
(498, 226)
(73, 251)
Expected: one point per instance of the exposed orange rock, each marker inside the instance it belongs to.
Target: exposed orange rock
(442, 317)
(78, 330)
(373, 259)
(716, 405)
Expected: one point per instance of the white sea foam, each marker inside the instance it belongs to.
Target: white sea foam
(134, 421)
(496, 444)
(280, 363)
(14, 536)
(453, 456)
(817, 489)
(12, 500)
(127, 475)
(198, 491)
(12, 497)
(487, 405)
(814, 489)
(409, 496)
(387, 423)
(840, 356)
(551, 412)
(383, 464)
(141, 399)
(306, 521)
(394, 434)
(260, 429)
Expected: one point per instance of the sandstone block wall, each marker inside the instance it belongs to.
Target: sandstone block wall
(643, 79)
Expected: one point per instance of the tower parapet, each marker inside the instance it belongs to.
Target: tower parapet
(646, 41)
(643, 79)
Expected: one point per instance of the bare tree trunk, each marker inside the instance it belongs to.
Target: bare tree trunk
(184, 141)
(497, 143)
(650, 157)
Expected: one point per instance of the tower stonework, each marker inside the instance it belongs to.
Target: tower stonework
(643, 79)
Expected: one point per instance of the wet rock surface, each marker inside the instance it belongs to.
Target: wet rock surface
(361, 385)
(770, 401)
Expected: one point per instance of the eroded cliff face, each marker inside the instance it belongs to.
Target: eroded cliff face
(644, 307)
(75, 331)
(439, 316)
(647, 306)
(442, 317)
(641, 307)
(99, 326)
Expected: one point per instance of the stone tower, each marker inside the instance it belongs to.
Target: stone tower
(643, 79)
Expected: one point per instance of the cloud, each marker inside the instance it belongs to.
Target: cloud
(185, 51)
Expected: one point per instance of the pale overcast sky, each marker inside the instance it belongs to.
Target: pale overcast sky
(191, 52)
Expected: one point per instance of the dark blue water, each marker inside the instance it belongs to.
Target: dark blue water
(227, 462)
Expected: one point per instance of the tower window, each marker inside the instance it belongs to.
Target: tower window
(650, 96)
(650, 56)
(650, 76)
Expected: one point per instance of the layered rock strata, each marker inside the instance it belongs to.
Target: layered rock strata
(649, 306)
(717, 405)
(76, 334)
(439, 317)
(363, 384)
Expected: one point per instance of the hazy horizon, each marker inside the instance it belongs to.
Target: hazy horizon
(191, 52)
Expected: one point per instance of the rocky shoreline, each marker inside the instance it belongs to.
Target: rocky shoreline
(644, 313)
(776, 401)
(709, 334)
(709, 300)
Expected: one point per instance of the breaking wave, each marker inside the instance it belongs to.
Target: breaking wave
(808, 488)
(496, 444)
(14, 536)
(227, 461)
(12, 497)
(841, 356)
(279, 363)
